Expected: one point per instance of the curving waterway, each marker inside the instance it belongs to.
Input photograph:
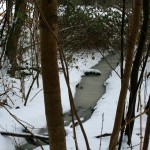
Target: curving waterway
(91, 88)
(88, 92)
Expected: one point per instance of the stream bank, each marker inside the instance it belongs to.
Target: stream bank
(91, 88)
(88, 92)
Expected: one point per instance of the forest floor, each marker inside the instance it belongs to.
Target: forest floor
(33, 115)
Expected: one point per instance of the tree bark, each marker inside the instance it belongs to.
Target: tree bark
(147, 106)
(147, 130)
(121, 64)
(122, 38)
(135, 70)
(14, 34)
(126, 76)
(51, 85)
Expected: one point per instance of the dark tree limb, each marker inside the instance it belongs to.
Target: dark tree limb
(121, 66)
(14, 34)
(131, 109)
(134, 75)
(147, 130)
(127, 73)
(122, 38)
(148, 104)
(26, 99)
(103, 135)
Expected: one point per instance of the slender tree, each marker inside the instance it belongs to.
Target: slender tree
(135, 70)
(126, 75)
(121, 65)
(52, 98)
(147, 130)
(122, 38)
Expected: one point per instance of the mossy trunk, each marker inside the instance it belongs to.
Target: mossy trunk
(14, 34)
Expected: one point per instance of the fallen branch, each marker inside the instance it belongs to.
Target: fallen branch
(27, 136)
(103, 135)
(26, 128)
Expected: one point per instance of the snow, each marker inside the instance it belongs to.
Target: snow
(34, 112)
(93, 11)
(82, 62)
(92, 72)
(6, 143)
(33, 115)
(107, 106)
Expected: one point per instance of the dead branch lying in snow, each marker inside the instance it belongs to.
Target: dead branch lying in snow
(103, 135)
(27, 136)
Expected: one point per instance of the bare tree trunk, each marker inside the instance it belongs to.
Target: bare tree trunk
(135, 70)
(127, 73)
(121, 65)
(147, 130)
(148, 104)
(122, 37)
(14, 34)
(50, 76)
(9, 5)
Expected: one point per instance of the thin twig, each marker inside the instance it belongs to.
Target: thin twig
(36, 94)
(132, 119)
(26, 99)
(101, 131)
(25, 127)
(139, 95)
(109, 64)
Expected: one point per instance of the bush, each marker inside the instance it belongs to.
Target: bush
(90, 27)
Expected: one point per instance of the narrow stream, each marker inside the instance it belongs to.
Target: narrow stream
(88, 92)
(91, 89)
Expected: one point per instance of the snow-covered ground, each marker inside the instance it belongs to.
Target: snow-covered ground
(33, 115)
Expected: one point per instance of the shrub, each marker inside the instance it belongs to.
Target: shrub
(90, 27)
